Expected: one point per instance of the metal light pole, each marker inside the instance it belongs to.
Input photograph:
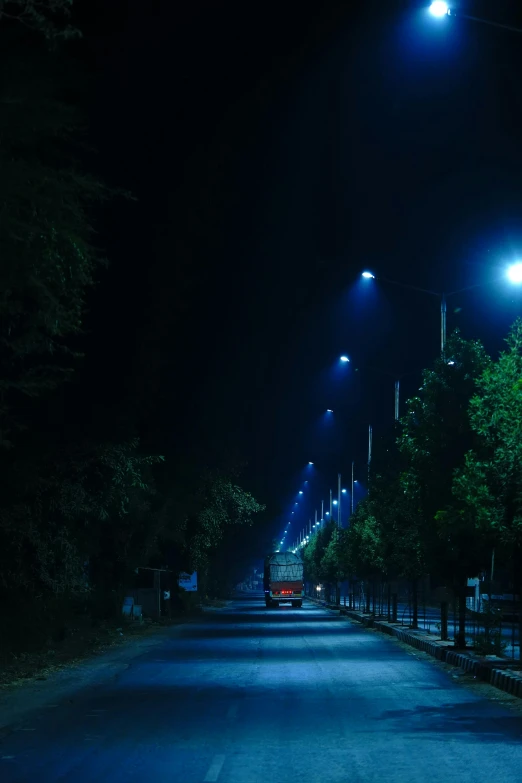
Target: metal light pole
(442, 296)
(339, 500)
(397, 388)
(322, 512)
(370, 438)
(351, 510)
(330, 504)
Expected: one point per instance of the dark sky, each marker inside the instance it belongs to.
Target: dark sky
(275, 153)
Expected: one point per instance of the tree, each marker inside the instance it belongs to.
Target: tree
(47, 17)
(435, 436)
(218, 503)
(490, 483)
(47, 241)
(75, 505)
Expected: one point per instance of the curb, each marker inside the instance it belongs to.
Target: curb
(503, 679)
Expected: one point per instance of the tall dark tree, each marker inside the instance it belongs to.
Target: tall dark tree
(436, 435)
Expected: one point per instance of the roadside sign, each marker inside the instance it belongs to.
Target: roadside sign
(189, 582)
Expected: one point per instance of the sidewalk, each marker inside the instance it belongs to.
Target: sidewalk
(503, 673)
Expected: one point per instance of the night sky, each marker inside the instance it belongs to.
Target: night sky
(276, 152)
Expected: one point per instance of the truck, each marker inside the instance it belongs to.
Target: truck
(283, 579)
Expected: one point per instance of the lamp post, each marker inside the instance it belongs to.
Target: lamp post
(514, 274)
(351, 510)
(439, 9)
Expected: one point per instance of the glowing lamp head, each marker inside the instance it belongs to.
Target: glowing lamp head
(329, 410)
(343, 491)
(344, 359)
(439, 8)
(514, 273)
(310, 463)
(300, 491)
(368, 276)
(335, 502)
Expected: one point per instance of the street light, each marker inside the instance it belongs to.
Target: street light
(439, 9)
(300, 491)
(344, 359)
(514, 274)
(368, 275)
(310, 463)
(329, 410)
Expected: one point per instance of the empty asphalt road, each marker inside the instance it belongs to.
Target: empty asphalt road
(283, 695)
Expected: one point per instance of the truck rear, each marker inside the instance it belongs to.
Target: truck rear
(283, 579)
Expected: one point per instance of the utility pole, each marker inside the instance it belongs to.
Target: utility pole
(443, 325)
(330, 504)
(322, 512)
(339, 500)
(397, 385)
(370, 436)
(351, 510)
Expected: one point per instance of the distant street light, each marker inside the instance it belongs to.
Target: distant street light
(329, 410)
(368, 275)
(344, 491)
(300, 491)
(310, 463)
(344, 359)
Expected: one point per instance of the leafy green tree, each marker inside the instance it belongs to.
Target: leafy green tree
(218, 503)
(490, 483)
(47, 17)
(435, 436)
(76, 518)
(47, 242)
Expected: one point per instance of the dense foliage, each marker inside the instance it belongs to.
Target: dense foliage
(82, 506)
(448, 492)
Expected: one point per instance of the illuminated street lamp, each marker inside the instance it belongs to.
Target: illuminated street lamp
(439, 8)
(344, 359)
(514, 273)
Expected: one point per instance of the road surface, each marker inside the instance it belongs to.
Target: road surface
(249, 694)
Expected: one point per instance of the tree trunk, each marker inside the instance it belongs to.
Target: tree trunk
(415, 604)
(389, 601)
(444, 621)
(460, 641)
(368, 597)
(394, 607)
